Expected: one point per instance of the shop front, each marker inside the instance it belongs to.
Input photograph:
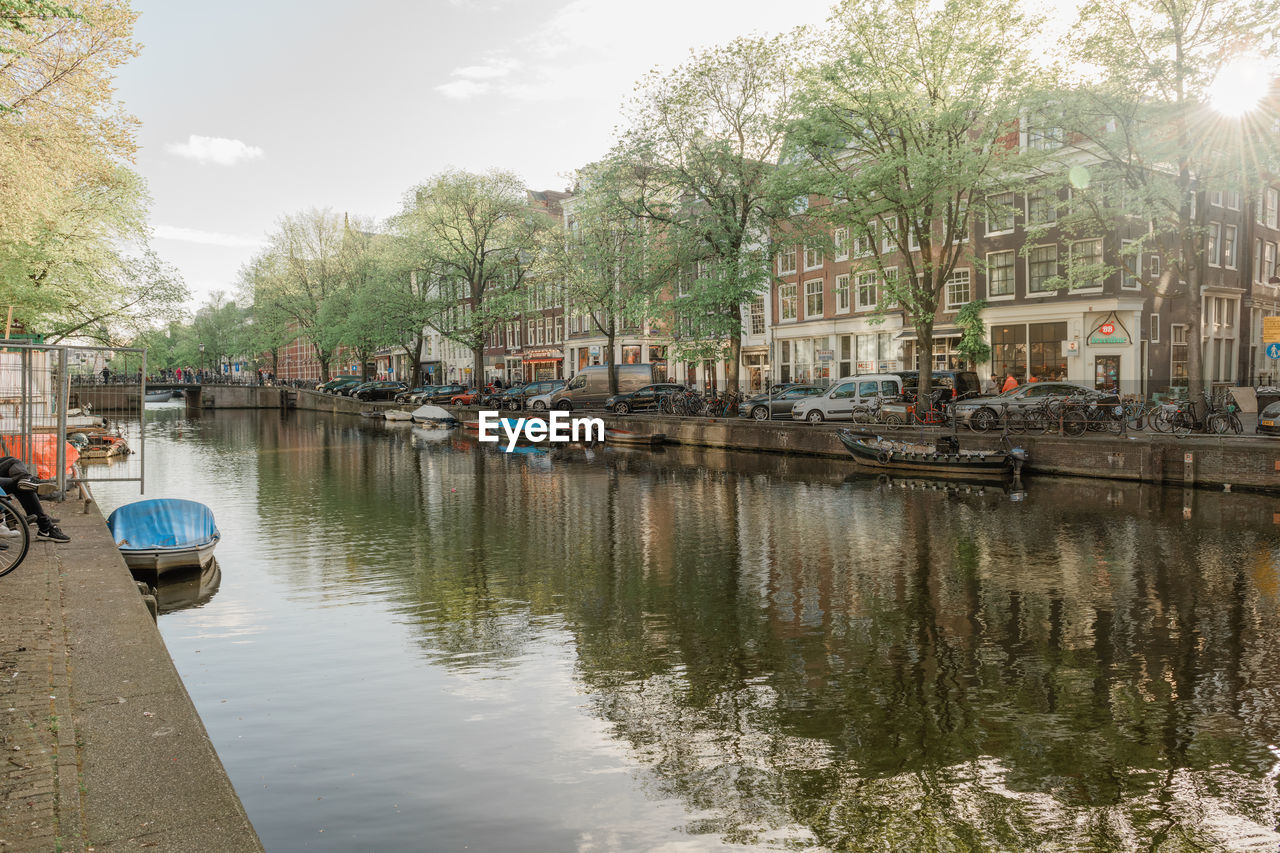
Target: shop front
(543, 364)
(1097, 346)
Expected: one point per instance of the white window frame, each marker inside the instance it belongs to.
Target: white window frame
(816, 253)
(1032, 293)
(1013, 268)
(1153, 265)
(890, 274)
(889, 245)
(1215, 198)
(863, 244)
(1271, 206)
(840, 243)
(843, 291)
(1051, 199)
(787, 294)
(1013, 215)
(867, 280)
(787, 254)
(1213, 244)
(1071, 260)
(809, 293)
(952, 281)
(1130, 282)
(1229, 247)
(1232, 199)
(756, 312)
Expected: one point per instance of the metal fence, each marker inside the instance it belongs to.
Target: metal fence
(44, 404)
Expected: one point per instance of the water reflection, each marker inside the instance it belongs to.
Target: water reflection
(781, 653)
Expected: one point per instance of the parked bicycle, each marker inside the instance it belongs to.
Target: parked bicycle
(15, 534)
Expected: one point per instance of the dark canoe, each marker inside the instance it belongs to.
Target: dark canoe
(879, 454)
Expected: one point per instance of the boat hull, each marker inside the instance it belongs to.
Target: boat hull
(161, 560)
(880, 458)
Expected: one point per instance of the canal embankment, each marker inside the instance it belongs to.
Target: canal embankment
(1247, 462)
(103, 746)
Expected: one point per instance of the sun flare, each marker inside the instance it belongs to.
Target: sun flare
(1239, 86)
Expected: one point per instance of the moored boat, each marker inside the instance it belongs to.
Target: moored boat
(943, 457)
(162, 534)
(398, 415)
(433, 415)
(626, 436)
(157, 396)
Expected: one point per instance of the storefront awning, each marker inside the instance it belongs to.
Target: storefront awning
(909, 334)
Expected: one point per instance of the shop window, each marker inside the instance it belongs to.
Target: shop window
(1009, 349)
(1045, 360)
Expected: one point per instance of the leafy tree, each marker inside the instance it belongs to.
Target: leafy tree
(473, 240)
(1140, 111)
(973, 333)
(614, 263)
(312, 258)
(699, 150)
(906, 119)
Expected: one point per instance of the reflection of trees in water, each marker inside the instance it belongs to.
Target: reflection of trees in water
(1085, 669)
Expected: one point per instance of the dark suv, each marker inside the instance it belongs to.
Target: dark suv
(381, 390)
(962, 383)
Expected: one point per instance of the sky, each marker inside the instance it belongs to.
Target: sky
(253, 110)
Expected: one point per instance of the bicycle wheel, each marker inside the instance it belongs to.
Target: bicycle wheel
(1236, 426)
(1017, 421)
(15, 535)
(1074, 422)
(1035, 420)
(1180, 425)
(1217, 424)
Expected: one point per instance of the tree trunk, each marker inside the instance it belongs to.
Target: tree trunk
(611, 336)
(733, 363)
(477, 366)
(324, 366)
(1195, 321)
(416, 355)
(924, 361)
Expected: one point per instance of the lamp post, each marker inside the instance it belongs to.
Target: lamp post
(202, 361)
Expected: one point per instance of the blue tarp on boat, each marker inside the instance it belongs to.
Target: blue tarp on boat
(162, 523)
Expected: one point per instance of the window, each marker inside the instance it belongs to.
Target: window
(958, 289)
(1130, 267)
(846, 355)
(1045, 360)
(786, 301)
(868, 291)
(1178, 354)
(1153, 329)
(1086, 261)
(1042, 268)
(1271, 207)
(913, 240)
(1000, 276)
(1000, 214)
(1042, 208)
(787, 261)
(1229, 246)
(1215, 198)
(1153, 266)
(890, 242)
(812, 257)
(813, 298)
(842, 294)
(1268, 261)
(1233, 200)
(863, 243)
(889, 291)
(1213, 244)
(1042, 133)
(840, 241)
(757, 315)
(684, 281)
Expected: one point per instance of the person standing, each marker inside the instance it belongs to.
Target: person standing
(990, 386)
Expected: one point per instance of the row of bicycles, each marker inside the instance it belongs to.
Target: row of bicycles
(693, 404)
(1212, 414)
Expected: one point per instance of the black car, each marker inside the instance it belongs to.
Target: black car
(644, 399)
(381, 390)
(962, 383)
(1269, 420)
(777, 403)
(411, 395)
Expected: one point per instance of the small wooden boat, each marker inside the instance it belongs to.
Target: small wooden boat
(634, 439)
(156, 536)
(99, 446)
(942, 458)
(398, 415)
(157, 396)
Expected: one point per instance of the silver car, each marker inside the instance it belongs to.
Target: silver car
(983, 413)
(778, 403)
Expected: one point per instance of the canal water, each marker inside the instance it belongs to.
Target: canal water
(421, 644)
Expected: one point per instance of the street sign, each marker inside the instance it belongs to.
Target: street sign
(1271, 330)
(1273, 350)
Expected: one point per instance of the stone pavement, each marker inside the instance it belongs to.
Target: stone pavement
(102, 747)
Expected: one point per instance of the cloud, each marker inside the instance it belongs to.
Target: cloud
(462, 89)
(205, 238)
(214, 149)
(488, 71)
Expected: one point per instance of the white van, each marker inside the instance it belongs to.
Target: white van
(838, 402)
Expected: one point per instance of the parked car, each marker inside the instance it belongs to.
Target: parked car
(411, 395)
(381, 390)
(541, 402)
(643, 399)
(837, 402)
(982, 413)
(442, 393)
(590, 388)
(1269, 420)
(333, 386)
(469, 397)
(962, 383)
(538, 387)
(778, 402)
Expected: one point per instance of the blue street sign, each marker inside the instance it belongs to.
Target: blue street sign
(1273, 350)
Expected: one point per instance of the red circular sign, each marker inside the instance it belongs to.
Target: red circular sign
(1107, 328)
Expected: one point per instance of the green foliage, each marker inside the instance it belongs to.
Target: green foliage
(973, 334)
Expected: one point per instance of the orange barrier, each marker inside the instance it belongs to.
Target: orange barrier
(44, 447)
